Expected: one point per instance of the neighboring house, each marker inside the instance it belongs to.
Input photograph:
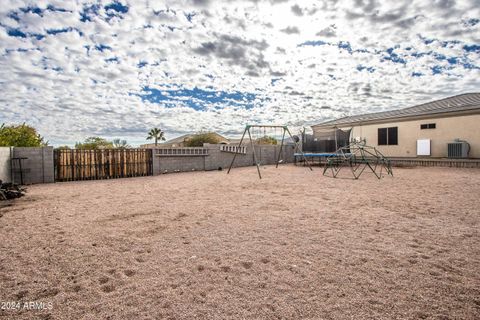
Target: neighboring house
(237, 141)
(436, 129)
(180, 141)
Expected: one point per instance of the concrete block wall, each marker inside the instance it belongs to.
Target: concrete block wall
(5, 170)
(266, 155)
(180, 163)
(217, 159)
(37, 168)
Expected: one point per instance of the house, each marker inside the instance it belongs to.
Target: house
(180, 141)
(444, 128)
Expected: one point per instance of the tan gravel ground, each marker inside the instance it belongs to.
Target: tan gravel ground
(204, 245)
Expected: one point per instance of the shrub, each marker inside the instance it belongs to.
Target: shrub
(94, 143)
(266, 140)
(200, 138)
(20, 136)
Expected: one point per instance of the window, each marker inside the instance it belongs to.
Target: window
(382, 136)
(388, 136)
(392, 136)
(428, 126)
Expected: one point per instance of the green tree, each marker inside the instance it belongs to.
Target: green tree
(199, 139)
(20, 136)
(120, 144)
(94, 143)
(266, 140)
(63, 147)
(156, 134)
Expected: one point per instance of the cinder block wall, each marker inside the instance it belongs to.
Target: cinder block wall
(37, 168)
(217, 159)
(5, 171)
(180, 163)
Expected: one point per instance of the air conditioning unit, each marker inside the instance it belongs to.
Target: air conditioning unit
(458, 149)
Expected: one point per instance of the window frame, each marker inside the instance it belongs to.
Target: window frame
(387, 136)
(392, 135)
(426, 126)
(382, 135)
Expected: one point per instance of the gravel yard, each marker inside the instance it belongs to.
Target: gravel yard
(207, 245)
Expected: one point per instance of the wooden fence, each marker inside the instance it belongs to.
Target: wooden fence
(79, 164)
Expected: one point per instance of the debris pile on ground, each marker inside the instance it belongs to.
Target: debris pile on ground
(10, 190)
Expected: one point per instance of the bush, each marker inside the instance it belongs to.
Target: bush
(63, 148)
(266, 140)
(94, 143)
(20, 136)
(200, 138)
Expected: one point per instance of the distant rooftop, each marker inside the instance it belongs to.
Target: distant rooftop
(181, 139)
(460, 103)
(187, 136)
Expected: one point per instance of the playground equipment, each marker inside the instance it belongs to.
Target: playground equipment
(258, 129)
(313, 156)
(357, 156)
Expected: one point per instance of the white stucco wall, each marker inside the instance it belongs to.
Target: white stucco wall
(447, 129)
(5, 172)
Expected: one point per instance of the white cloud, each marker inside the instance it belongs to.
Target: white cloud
(87, 81)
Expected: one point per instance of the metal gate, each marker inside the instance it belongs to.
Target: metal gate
(79, 164)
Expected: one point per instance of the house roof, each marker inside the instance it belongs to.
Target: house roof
(182, 138)
(178, 139)
(460, 103)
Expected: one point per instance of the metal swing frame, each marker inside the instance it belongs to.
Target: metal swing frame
(285, 131)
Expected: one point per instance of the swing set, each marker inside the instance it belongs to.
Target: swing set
(257, 129)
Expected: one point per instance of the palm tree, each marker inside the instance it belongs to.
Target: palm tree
(120, 144)
(156, 134)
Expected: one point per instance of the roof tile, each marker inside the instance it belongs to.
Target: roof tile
(462, 102)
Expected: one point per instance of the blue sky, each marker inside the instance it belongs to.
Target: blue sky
(115, 69)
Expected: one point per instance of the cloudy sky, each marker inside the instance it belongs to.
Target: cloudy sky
(114, 69)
